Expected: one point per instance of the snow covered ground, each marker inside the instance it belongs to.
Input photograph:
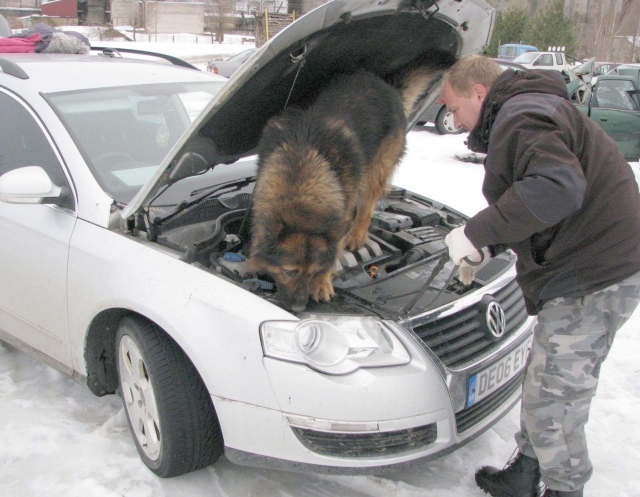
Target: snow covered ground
(57, 439)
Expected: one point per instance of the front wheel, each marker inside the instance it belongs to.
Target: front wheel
(445, 124)
(170, 413)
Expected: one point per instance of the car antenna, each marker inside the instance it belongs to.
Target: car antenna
(300, 60)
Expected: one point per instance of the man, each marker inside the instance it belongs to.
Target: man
(562, 197)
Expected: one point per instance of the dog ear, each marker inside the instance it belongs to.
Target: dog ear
(264, 239)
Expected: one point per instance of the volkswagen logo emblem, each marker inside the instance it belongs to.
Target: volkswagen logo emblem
(496, 322)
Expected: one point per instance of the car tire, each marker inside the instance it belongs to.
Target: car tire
(445, 124)
(170, 412)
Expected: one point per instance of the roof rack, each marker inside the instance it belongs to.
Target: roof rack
(116, 52)
(13, 69)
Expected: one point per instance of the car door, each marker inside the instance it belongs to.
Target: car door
(616, 110)
(34, 245)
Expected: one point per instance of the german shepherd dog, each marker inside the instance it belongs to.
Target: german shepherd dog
(321, 172)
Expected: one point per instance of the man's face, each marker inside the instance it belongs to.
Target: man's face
(465, 110)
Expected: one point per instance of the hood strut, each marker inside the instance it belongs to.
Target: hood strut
(423, 7)
(300, 60)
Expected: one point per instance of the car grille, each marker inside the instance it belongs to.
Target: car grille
(458, 340)
(468, 418)
(367, 444)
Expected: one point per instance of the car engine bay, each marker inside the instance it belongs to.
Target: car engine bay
(402, 269)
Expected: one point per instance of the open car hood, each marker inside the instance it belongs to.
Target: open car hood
(339, 36)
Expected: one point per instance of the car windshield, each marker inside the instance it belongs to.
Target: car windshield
(526, 58)
(125, 133)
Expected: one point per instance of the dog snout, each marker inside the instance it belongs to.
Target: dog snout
(299, 305)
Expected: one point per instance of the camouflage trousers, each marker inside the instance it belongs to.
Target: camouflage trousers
(571, 340)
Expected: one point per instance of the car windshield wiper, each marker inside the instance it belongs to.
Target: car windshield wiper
(213, 191)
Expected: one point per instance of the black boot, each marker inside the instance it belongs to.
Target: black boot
(520, 478)
(560, 493)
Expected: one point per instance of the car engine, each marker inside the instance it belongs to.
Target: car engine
(402, 269)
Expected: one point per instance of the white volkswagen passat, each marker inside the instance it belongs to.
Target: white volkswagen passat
(124, 192)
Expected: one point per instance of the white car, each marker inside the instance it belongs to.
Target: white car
(124, 192)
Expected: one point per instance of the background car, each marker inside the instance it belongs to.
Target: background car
(125, 201)
(614, 103)
(632, 70)
(602, 68)
(227, 67)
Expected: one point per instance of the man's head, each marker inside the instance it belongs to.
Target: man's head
(467, 85)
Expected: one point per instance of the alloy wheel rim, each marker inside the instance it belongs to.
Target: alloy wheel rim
(448, 122)
(139, 398)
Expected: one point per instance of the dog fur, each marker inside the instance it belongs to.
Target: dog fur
(321, 172)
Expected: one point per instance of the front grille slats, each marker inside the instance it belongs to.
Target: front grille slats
(366, 444)
(452, 334)
(461, 343)
(459, 340)
(450, 322)
(462, 353)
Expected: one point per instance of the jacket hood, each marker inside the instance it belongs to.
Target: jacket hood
(508, 85)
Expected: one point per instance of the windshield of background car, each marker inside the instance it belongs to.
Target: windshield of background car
(526, 58)
(125, 133)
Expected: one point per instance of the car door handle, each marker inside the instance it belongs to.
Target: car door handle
(603, 119)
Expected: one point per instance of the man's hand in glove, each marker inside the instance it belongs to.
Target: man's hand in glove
(459, 245)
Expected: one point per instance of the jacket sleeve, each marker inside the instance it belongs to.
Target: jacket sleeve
(548, 185)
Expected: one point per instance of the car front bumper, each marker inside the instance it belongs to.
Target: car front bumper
(368, 422)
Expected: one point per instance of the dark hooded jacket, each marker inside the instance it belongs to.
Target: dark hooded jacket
(560, 193)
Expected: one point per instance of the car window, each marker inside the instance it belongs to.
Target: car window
(23, 142)
(614, 95)
(526, 58)
(544, 60)
(559, 59)
(126, 133)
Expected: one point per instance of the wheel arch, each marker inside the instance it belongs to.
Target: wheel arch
(100, 349)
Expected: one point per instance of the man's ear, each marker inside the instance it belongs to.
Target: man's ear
(480, 91)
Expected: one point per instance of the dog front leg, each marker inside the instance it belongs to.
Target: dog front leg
(322, 286)
(359, 232)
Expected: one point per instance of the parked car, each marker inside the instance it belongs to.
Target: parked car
(556, 61)
(510, 51)
(227, 67)
(125, 190)
(632, 70)
(614, 103)
(602, 68)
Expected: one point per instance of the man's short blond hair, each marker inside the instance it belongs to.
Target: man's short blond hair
(473, 70)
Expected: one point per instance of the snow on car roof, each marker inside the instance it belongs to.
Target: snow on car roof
(50, 73)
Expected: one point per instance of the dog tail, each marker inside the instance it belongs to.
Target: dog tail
(415, 79)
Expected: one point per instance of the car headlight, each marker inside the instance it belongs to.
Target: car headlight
(333, 344)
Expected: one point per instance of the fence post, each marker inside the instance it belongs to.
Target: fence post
(266, 22)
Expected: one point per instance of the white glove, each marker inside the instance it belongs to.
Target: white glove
(459, 245)
(467, 272)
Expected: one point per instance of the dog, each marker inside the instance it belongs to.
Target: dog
(321, 172)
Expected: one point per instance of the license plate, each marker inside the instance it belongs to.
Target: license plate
(484, 383)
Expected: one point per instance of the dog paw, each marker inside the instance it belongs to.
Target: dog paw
(322, 288)
(354, 241)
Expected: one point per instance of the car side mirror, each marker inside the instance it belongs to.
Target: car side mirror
(31, 185)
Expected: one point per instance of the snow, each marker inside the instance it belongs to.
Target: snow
(57, 439)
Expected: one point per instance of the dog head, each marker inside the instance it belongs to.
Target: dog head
(294, 260)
